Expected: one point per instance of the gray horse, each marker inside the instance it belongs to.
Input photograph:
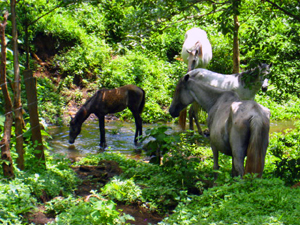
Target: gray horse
(245, 84)
(238, 128)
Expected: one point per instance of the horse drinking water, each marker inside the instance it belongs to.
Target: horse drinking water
(238, 128)
(107, 101)
(196, 53)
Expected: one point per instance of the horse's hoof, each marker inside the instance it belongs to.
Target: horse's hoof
(137, 144)
(103, 145)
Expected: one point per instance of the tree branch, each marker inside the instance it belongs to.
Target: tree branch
(283, 10)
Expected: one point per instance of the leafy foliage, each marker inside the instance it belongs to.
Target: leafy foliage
(125, 191)
(112, 43)
(162, 143)
(93, 212)
(15, 199)
(250, 201)
(285, 148)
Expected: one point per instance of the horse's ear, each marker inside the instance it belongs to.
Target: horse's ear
(186, 77)
(271, 64)
(71, 118)
(188, 51)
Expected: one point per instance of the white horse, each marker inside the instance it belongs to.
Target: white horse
(196, 53)
(196, 50)
(238, 128)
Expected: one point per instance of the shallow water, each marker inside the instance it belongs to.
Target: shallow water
(119, 138)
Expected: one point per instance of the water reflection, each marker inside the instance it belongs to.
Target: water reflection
(280, 126)
(119, 138)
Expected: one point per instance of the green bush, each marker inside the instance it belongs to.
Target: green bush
(93, 212)
(15, 200)
(123, 191)
(158, 79)
(248, 201)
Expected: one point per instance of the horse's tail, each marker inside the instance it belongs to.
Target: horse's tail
(143, 102)
(258, 143)
(182, 119)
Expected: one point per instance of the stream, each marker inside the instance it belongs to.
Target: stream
(119, 138)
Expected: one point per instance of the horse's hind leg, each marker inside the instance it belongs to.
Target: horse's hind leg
(102, 132)
(238, 155)
(193, 115)
(138, 126)
(216, 159)
(237, 166)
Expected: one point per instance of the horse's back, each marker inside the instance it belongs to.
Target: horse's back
(192, 37)
(229, 82)
(135, 98)
(115, 100)
(222, 81)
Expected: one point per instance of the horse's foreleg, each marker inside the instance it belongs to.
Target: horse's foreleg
(216, 158)
(102, 132)
(191, 118)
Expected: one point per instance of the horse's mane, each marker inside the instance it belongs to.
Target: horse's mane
(99, 92)
(82, 112)
(251, 72)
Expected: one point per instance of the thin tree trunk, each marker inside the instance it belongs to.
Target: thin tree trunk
(30, 85)
(17, 91)
(31, 93)
(4, 144)
(236, 51)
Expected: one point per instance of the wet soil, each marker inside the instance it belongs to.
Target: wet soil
(93, 178)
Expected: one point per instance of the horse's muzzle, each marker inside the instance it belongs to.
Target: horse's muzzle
(71, 141)
(264, 89)
(265, 85)
(174, 113)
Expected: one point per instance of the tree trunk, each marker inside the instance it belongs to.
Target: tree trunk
(17, 91)
(30, 85)
(236, 51)
(4, 144)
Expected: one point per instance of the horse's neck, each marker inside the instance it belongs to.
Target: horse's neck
(82, 114)
(204, 95)
(247, 91)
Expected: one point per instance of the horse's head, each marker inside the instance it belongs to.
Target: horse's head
(264, 71)
(257, 77)
(75, 129)
(194, 56)
(182, 97)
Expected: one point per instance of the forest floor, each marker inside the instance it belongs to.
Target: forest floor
(94, 177)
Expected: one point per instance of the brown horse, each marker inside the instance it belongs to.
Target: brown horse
(238, 128)
(107, 101)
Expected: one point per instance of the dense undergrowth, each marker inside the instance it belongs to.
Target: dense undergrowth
(95, 45)
(183, 188)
